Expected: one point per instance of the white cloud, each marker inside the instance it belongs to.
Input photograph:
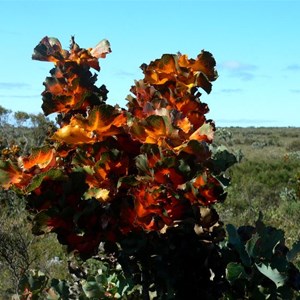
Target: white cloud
(293, 67)
(238, 69)
(230, 91)
(235, 65)
(13, 85)
(295, 91)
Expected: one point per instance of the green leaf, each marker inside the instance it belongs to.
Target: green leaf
(92, 289)
(157, 122)
(270, 238)
(235, 241)
(286, 292)
(184, 167)
(167, 162)
(273, 274)
(141, 162)
(61, 287)
(235, 271)
(222, 159)
(127, 181)
(251, 245)
(152, 149)
(53, 174)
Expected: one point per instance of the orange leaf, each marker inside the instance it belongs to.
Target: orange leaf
(74, 135)
(155, 130)
(204, 133)
(204, 63)
(161, 70)
(10, 174)
(103, 120)
(48, 49)
(164, 176)
(40, 157)
(184, 124)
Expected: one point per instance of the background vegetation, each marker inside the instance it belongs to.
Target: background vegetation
(266, 179)
(20, 250)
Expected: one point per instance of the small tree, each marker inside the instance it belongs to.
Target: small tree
(21, 117)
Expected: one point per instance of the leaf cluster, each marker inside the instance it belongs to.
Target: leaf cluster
(259, 264)
(109, 171)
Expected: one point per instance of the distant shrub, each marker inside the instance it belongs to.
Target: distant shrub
(259, 144)
(274, 141)
(249, 141)
(236, 141)
(293, 146)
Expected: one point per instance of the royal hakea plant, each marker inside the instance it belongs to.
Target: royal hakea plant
(109, 171)
(141, 181)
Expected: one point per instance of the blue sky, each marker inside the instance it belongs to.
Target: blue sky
(256, 45)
